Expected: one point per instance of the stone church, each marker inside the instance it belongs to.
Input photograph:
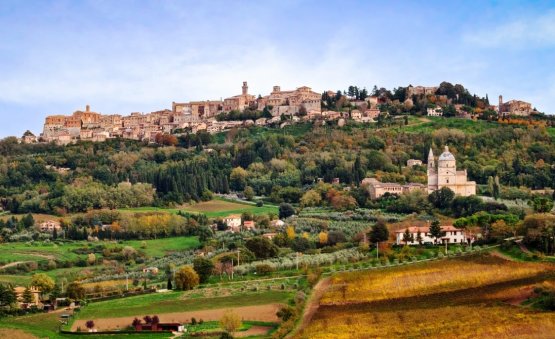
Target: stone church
(446, 175)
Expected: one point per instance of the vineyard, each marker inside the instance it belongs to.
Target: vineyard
(427, 278)
(457, 298)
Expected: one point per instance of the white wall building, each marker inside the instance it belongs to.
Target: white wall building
(450, 234)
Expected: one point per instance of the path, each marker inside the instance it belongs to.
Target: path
(312, 304)
(12, 264)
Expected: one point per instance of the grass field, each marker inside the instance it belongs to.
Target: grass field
(465, 125)
(174, 302)
(395, 302)
(160, 247)
(213, 208)
(46, 325)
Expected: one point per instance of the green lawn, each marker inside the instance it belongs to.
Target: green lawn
(46, 325)
(37, 251)
(213, 208)
(160, 247)
(171, 302)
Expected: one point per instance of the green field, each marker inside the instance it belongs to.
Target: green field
(46, 325)
(435, 123)
(213, 208)
(172, 302)
(160, 247)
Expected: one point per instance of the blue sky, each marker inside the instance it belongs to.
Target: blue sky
(139, 56)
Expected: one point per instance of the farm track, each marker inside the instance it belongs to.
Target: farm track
(313, 304)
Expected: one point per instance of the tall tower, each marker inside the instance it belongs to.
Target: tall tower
(245, 88)
(499, 109)
(431, 162)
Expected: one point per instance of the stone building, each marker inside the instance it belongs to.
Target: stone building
(291, 102)
(420, 90)
(514, 107)
(377, 189)
(240, 102)
(446, 175)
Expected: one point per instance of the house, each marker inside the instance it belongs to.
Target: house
(450, 234)
(356, 115)
(248, 225)
(378, 189)
(435, 111)
(277, 223)
(50, 226)
(233, 221)
(414, 162)
(19, 290)
(269, 236)
(151, 270)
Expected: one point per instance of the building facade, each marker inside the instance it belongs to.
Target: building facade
(377, 189)
(446, 175)
(449, 234)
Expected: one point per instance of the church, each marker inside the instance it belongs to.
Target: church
(446, 175)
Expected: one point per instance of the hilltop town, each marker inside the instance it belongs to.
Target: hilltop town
(278, 108)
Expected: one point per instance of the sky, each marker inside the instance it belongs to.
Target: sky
(139, 56)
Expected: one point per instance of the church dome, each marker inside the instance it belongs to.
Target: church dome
(446, 155)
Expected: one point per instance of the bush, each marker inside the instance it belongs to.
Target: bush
(263, 269)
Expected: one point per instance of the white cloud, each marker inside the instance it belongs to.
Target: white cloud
(524, 33)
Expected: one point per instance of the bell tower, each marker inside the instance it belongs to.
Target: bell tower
(245, 88)
(431, 162)
(499, 108)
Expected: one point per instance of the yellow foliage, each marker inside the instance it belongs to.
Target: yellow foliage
(290, 231)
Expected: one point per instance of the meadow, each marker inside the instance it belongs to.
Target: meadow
(213, 209)
(482, 300)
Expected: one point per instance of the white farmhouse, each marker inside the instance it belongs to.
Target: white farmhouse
(449, 234)
(233, 221)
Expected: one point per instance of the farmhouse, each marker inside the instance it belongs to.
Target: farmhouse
(248, 225)
(49, 226)
(378, 189)
(414, 162)
(19, 290)
(450, 234)
(233, 221)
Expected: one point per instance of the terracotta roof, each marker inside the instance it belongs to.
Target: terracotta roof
(426, 229)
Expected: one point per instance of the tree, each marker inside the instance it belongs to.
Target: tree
(323, 238)
(285, 210)
(7, 295)
(43, 282)
(435, 230)
(285, 313)
(203, 267)
(379, 232)
(249, 193)
(441, 198)
(75, 291)
(89, 324)
(238, 178)
(230, 321)
(262, 248)
(419, 237)
(186, 278)
(55, 293)
(541, 204)
(311, 198)
(407, 236)
(27, 295)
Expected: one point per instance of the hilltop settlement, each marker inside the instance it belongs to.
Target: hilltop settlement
(279, 108)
